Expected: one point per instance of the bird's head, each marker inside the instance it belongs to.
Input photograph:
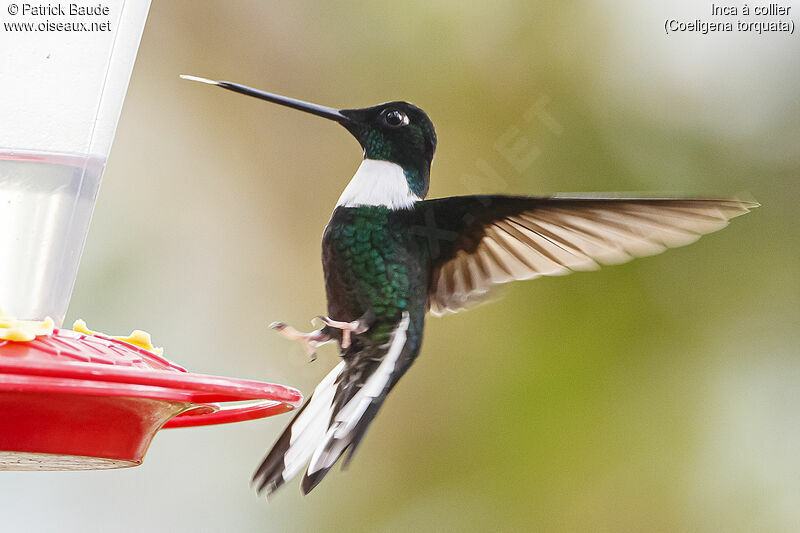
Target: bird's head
(397, 132)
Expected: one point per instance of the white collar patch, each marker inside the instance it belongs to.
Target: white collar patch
(378, 183)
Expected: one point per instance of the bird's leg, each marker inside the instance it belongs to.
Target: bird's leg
(356, 327)
(310, 340)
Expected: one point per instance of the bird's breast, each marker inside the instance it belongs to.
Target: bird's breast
(369, 265)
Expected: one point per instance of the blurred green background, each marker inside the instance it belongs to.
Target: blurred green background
(660, 395)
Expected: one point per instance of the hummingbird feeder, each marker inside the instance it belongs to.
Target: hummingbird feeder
(77, 399)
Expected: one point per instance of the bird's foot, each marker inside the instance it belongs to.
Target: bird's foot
(356, 327)
(310, 340)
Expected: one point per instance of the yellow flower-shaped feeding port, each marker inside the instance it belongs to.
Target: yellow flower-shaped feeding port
(12, 329)
(137, 337)
(15, 330)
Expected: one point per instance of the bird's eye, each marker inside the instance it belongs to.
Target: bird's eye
(395, 118)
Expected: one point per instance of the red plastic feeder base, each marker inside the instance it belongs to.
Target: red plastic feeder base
(82, 402)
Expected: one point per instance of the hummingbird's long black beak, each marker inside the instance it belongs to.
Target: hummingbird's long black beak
(314, 109)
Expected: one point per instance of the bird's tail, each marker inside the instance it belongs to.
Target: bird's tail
(296, 445)
(338, 413)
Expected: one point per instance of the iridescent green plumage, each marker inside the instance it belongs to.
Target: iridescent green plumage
(373, 266)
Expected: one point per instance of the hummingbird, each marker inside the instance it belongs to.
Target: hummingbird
(390, 256)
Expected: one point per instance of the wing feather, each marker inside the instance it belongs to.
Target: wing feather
(507, 238)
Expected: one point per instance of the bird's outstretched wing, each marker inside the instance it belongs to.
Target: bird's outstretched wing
(478, 241)
(337, 414)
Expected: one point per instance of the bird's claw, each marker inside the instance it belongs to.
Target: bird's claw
(356, 327)
(310, 341)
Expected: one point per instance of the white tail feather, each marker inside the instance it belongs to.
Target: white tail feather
(347, 418)
(311, 425)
